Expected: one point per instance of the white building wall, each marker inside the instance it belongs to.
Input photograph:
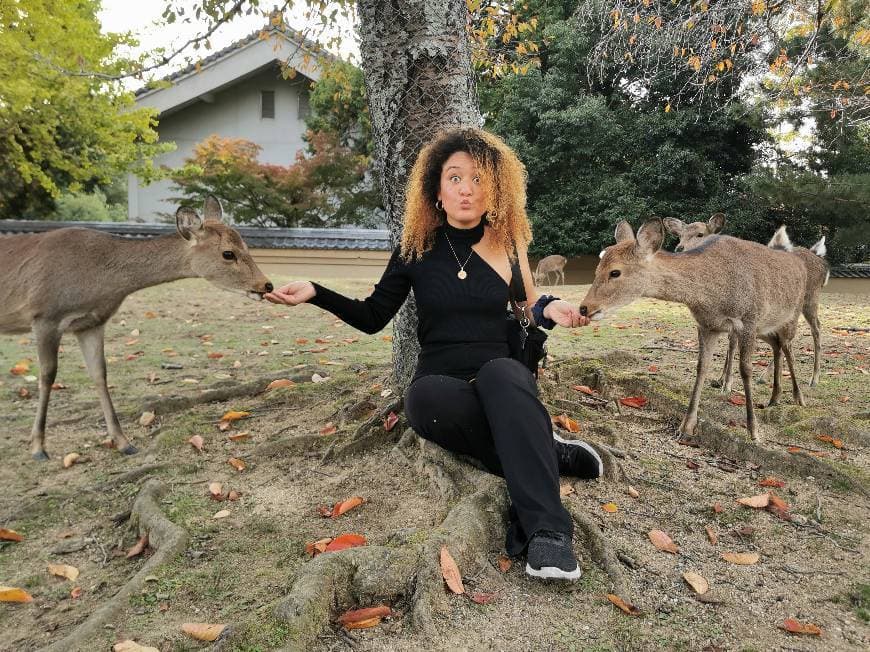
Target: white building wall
(233, 112)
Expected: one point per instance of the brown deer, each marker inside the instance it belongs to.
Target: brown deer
(74, 279)
(729, 285)
(548, 265)
(694, 234)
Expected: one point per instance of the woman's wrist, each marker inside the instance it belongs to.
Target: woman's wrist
(538, 311)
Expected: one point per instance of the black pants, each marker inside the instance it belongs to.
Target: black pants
(498, 419)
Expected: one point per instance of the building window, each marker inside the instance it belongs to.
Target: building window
(267, 104)
(304, 107)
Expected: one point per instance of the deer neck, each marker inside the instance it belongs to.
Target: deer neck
(157, 260)
(678, 277)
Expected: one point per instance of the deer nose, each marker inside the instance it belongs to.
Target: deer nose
(269, 287)
(583, 311)
(679, 247)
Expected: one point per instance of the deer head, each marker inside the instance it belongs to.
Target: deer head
(623, 274)
(217, 252)
(692, 235)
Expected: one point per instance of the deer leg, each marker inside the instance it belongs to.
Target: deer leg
(789, 358)
(777, 370)
(561, 276)
(47, 343)
(91, 343)
(811, 314)
(725, 381)
(706, 343)
(746, 341)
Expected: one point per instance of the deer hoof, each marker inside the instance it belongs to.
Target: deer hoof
(39, 456)
(717, 384)
(129, 449)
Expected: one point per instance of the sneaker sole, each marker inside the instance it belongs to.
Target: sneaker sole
(586, 447)
(553, 573)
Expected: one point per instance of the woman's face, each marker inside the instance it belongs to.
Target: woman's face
(461, 192)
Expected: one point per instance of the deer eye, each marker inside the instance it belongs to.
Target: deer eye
(229, 255)
(700, 235)
(614, 273)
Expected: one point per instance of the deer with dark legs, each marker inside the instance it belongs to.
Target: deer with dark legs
(550, 265)
(694, 234)
(729, 285)
(74, 279)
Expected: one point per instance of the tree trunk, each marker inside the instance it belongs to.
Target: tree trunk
(417, 63)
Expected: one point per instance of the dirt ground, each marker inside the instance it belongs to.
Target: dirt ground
(812, 560)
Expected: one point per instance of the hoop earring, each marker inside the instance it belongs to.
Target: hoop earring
(439, 205)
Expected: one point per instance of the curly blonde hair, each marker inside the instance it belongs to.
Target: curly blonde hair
(502, 176)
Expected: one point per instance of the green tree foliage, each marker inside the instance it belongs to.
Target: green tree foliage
(87, 207)
(319, 190)
(60, 129)
(338, 106)
(598, 153)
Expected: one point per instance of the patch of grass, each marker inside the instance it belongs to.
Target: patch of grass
(859, 597)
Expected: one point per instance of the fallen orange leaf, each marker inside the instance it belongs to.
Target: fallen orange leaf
(203, 631)
(348, 618)
(214, 355)
(10, 535)
(662, 541)
(634, 401)
(138, 547)
(584, 389)
(76, 593)
(626, 607)
(771, 482)
(836, 443)
(70, 459)
(346, 506)
(711, 534)
(757, 502)
(504, 563)
(737, 399)
(239, 436)
(450, 571)
(196, 441)
(610, 508)
(344, 541)
(64, 570)
(234, 415)
(796, 627)
(281, 382)
(741, 558)
(391, 420)
(566, 422)
(483, 598)
(329, 429)
(237, 464)
(21, 367)
(12, 594)
(317, 546)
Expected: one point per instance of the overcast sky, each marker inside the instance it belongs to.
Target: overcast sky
(139, 16)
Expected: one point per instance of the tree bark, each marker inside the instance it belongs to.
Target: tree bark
(419, 79)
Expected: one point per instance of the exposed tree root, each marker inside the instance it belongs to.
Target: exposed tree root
(132, 475)
(287, 446)
(370, 434)
(602, 553)
(164, 536)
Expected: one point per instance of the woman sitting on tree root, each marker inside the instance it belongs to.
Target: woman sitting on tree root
(465, 217)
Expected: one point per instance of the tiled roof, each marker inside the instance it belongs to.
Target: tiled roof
(348, 239)
(289, 33)
(857, 270)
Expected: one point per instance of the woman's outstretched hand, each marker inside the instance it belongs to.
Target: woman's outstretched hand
(563, 313)
(292, 294)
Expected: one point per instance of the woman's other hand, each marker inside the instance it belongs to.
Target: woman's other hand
(563, 313)
(292, 294)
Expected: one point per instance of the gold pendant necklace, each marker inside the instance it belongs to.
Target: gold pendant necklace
(462, 274)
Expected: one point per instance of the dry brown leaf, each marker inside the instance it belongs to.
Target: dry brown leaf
(566, 489)
(10, 535)
(610, 508)
(741, 558)
(76, 593)
(363, 624)
(634, 401)
(711, 534)
(222, 514)
(796, 627)
(279, 383)
(757, 502)
(584, 389)
(70, 459)
(13, 594)
(836, 443)
(233, 495)
(239, 436)
(662, 541)
(450, 571)
(132, 646)
(717, 508)
(633, 492)
(625, 606)
(329, 429)
(504, 563)
(196, 441)
(566, 422)
(214, 355)
(771, 482)
(391, 420)
(698, 583)
(317, 546)
(203, 631)
(64, 570)
(20, 368)
(737, 399)
(216, 490)
(147, 419)
(237, 464)
(353, 618)
(233, 415)
(138, 547)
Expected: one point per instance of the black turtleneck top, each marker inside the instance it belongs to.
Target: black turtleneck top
(462, 322)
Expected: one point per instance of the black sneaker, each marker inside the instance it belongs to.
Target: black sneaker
(550, 555)
(578, 458)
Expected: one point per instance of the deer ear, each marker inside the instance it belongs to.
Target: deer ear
(716, 222)
(188, 222)
(780, 240)
(624, 232)
(213, 210)
(674, 226)
(650, 237)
